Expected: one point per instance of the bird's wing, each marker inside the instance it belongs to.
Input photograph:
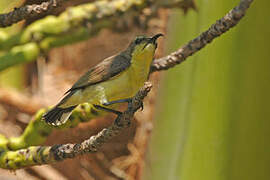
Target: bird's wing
(105, 70)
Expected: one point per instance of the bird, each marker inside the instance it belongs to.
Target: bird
(114, 80)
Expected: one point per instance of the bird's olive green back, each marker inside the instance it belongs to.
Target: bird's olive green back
(107, 69)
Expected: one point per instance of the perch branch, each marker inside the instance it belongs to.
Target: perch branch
(26, 12)
(37, 155)
(220, 27)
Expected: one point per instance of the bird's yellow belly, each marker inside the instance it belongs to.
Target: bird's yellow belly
(120, 87)
(123, 86)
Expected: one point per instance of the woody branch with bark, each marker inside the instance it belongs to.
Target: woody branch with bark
(15, 152)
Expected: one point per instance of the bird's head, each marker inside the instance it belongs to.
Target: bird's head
(143, 47)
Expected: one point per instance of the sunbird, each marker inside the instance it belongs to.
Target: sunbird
(114, 80)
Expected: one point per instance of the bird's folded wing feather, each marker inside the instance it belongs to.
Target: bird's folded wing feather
(105, 70)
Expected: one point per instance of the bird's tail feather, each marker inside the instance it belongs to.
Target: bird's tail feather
(58, 116)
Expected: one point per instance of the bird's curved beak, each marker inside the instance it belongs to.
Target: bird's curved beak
(154, 38)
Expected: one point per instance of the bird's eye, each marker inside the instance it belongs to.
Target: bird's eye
(138, 40)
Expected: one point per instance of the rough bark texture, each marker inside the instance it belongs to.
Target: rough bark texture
(26, 12)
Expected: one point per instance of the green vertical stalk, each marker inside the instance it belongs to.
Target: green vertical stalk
(251, 147)
(212, 121)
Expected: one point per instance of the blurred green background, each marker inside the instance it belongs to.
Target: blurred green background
(213, 118)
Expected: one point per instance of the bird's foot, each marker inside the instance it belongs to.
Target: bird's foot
(128, 100)
(107, 109)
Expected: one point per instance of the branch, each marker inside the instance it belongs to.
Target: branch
(37, 155)
(19, 101)
(26, 12)
(29, 11)
(220, 27)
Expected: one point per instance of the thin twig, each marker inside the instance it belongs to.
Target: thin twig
(20, 101)
(26, 12)
(36, 155)
(220, 27)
